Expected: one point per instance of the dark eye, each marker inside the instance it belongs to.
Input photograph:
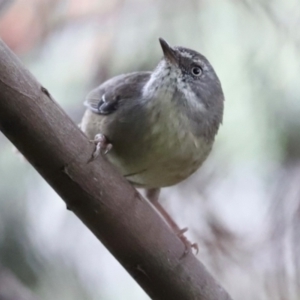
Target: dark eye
(196, 71)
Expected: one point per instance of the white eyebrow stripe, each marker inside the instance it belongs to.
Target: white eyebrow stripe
(186, 54)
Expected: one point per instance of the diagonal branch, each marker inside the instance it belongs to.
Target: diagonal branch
(109, 206)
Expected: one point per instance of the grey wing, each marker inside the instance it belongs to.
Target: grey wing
(93, 98)
(106, 98)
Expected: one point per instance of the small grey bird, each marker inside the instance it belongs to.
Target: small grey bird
(157, 127)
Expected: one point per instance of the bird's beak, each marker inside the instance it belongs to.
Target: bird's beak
(169, 52)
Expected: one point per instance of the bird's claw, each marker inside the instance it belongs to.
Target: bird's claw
(188, 245)
(102, 145)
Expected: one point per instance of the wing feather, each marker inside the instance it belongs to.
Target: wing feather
(106, 98)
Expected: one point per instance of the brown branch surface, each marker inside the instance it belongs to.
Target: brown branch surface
(109, 206)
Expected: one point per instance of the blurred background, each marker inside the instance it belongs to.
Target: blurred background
(242, 207)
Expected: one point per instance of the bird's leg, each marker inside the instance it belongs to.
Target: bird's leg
(102, 145)
(152, 195)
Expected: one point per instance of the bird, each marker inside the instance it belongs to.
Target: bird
(157, 127)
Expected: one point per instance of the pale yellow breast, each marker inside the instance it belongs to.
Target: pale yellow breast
(172, 153)
(175, 153)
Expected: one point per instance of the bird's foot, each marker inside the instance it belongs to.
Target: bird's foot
(102, 145)
(152, 195)
(186, 242)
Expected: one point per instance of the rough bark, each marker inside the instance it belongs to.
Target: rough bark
(109, 206)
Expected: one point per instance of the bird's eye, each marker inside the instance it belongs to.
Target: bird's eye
(196, 71)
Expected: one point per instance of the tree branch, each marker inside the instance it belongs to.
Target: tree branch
(105, 202)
